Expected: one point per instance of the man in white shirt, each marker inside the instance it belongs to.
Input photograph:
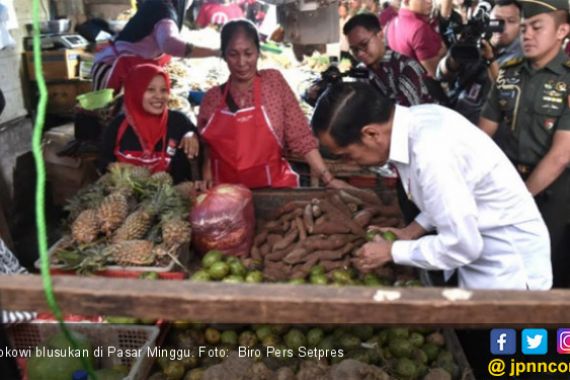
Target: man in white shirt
(488, 227)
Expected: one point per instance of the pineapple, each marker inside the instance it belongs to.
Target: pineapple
(131, 252)
(112, 212)
(86, 260)
(134, 227)
(95, 260)
(86, 227)
(127, 178)
(175, 230)
(87, 198)
(161, 178)
(139, 222)
(121, 170)
(186, 190)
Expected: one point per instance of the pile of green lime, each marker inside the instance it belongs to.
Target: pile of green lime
(219, 267)
(405, 353)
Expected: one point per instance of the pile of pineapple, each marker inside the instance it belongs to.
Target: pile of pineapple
(129, 218)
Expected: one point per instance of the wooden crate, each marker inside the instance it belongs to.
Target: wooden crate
(62, 96)
(56, 64)
(66, 174)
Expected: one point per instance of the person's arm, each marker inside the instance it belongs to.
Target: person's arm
(445, 8)
(207, 176)
(317, 164)
(429, 48)
(488, 126)
(488, 55)
(193, 51)
(171, 42)
(412, 84)
(297, 132)
(552, 165)
(490, 113)
(446, 196)
(184, 133)
(430, 65)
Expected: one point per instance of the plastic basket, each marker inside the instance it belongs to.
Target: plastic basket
(95, 99)
(167, 272)
(123, 337)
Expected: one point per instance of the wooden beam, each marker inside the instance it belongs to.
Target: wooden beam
(280, 303)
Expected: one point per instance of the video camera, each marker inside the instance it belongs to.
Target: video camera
(480, 26)
(330, 76)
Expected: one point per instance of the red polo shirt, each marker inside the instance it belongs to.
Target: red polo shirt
(411, 35)
(218, 14)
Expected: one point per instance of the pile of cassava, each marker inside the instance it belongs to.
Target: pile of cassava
(324, 231)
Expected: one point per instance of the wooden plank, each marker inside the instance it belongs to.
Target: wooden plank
(280, 303)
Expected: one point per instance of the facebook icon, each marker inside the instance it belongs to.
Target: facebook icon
(503, 341)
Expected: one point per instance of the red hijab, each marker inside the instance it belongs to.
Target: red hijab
(150, 128)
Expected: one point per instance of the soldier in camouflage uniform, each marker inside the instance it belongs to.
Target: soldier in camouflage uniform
(528, 115)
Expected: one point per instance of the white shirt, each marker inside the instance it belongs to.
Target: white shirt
(488, 226)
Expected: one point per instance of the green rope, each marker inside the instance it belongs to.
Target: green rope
(40, 185)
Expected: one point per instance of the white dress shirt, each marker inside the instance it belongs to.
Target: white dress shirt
(488, 226)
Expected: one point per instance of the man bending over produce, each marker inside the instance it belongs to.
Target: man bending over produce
(488, 227)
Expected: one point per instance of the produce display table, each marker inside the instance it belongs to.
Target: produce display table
(283, 303)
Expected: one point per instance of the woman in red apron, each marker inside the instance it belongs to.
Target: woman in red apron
(149, 134)
(252, 120)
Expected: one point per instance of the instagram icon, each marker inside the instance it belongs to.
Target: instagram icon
(563, 341)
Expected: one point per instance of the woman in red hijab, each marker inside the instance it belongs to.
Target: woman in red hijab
(148, 133)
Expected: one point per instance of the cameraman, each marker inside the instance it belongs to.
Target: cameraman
(507, 44)
(470, 65)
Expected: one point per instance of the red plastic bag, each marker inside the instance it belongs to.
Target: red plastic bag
(223, 219)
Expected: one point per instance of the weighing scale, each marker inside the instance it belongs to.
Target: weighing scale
(54, 41)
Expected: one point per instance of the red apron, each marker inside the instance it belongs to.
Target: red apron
(148, 157)
(244, 148)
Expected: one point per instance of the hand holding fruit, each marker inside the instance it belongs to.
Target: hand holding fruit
(412, 231)
(373, 254)
(387, 233)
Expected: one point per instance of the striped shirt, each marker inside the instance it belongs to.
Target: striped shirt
(402, 79)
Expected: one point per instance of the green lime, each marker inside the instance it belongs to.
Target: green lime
(211, 257)
(237, 268)
(341, 277)
(370, 234)
(317, 270)
(263, 331)
(229, 337)
(254, 277)
(295, 339)
(315, 336)
(212, 335)
(319, 279)
(200, 276)
(149, 276)
(389, 235)
(297, 281)
(219, 270)
(233, 279)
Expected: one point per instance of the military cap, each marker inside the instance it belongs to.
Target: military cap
(532, 8)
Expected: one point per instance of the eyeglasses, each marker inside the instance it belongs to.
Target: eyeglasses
(362, 46)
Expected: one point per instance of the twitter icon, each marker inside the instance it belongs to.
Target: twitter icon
(534, 341)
